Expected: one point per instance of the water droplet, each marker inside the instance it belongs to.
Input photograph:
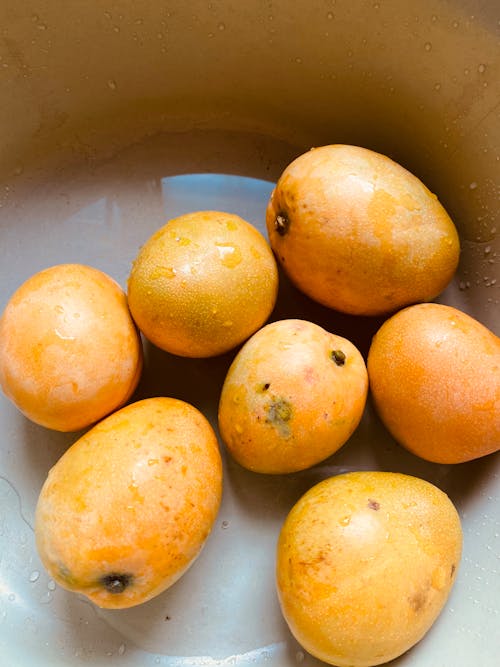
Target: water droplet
(112, 84)
(473, 185)
(481, 68)
(330, 16)
(428, 46)
(163, 272)
(455, 24)
(121, 649)
(437, 86)
(434, 18)
(139, 21)
(345, 520)
(34, 576)
(221, 26)
(300, 656)
(46, 598)
(487, 250)
(51, 585)
(41, 26)
(116, 28)
(462, 286)
(224, 525)
(182, 240)
(11, 597)
(159, 35)
(298, 61)
(227, 324)
(107, 15)
(229, 254)
(35, 18)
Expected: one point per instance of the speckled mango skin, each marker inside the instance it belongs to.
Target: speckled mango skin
(357, 232)
(365, 564)
(202, 284)
(435, 379)
(70, 352)
(286, 404)
(133, 500)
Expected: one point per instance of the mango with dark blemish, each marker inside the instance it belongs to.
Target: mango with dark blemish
(365, 564)
(126, 510)
(358, 232)
(293, 396)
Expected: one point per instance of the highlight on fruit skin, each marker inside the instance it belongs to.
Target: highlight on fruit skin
(127, 509)
(357, 232)
(293, 395)
(70, 352)
(365, 563)
(434, 376)
(202, 284)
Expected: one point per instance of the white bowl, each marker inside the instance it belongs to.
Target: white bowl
(117, 116)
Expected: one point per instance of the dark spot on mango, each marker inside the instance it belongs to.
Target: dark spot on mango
(279, 410)
(453, 568)
(373, 504)
(418, 600)
(279, 413)
(116, 583)
(338, 357)
(281, 224)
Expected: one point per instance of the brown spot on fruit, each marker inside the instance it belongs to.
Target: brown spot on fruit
(281, 224)
(373, 504)
(418, 600)
(279, 411)
(338, 357)
(116, 583)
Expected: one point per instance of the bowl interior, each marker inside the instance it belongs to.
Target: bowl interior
(117, 119)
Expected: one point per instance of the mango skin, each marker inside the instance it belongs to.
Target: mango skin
(365, 563)
(70, 352)
(126, 510)
(357, 232)
(202, 284)
(286, 404)
(434, 375)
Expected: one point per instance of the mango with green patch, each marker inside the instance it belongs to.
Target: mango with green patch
(293, 396)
